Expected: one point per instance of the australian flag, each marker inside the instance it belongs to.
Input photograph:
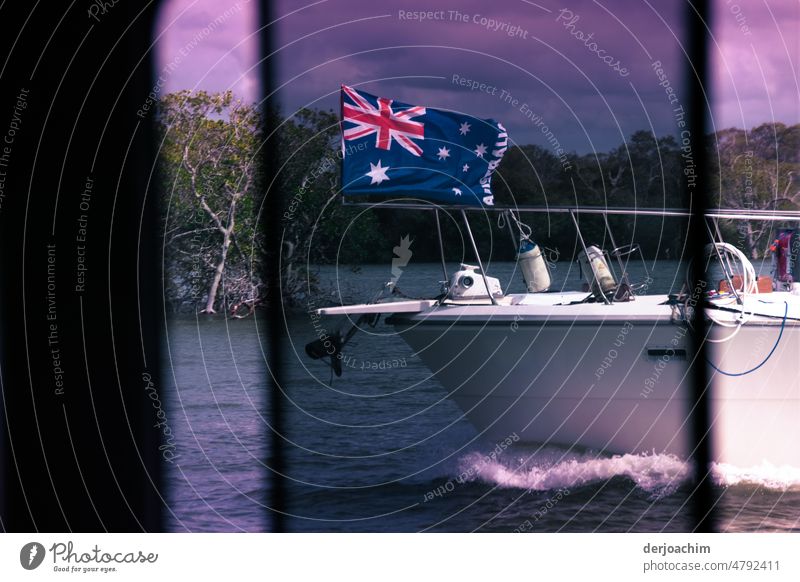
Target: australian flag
(397, 150)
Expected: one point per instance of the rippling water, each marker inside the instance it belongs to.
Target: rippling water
(382, 449)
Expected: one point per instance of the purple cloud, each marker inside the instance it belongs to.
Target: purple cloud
(590, 73)
(210, 45)
(573, 73)
(755, 63)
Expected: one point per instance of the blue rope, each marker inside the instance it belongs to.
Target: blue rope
(769, 355)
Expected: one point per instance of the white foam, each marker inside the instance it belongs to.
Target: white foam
(659, 474)
(766, 475)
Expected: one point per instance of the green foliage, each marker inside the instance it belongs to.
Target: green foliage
(315, 223)
(757, 170)
(211, 245)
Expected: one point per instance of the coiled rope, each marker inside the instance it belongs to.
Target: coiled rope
(749, 286)
(769, 355)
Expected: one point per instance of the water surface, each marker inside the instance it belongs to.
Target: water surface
(382, 449)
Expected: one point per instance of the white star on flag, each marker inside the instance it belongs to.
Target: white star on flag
(464, 129)
(456, 191)
(444, 153)
(377, 173)
(465, 168)
(480, 150)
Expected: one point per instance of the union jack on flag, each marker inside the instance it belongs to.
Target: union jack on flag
(383, 122)
(417, 152)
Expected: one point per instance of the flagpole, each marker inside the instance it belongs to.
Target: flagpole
(441, 247)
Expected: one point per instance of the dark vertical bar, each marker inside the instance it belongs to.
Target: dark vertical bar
(80, 278)
(697, 195)
(271, 223)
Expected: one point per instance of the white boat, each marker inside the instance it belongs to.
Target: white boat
(608, 369)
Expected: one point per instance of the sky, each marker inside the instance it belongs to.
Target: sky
(582, 75)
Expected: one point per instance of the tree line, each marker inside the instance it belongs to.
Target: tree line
(214, 191)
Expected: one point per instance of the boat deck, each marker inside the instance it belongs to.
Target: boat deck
(569, 306)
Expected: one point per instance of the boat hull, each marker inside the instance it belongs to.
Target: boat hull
(611, 384)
